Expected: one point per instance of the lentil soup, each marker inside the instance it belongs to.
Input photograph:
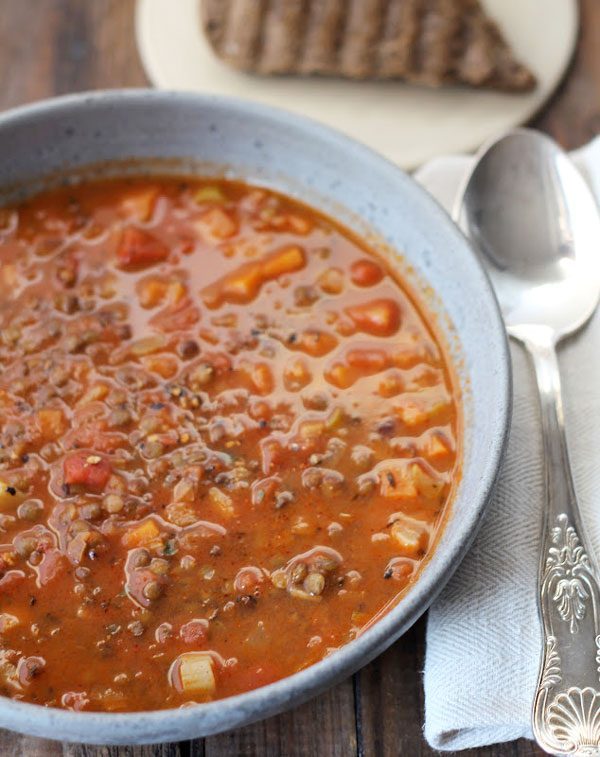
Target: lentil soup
(228, 438)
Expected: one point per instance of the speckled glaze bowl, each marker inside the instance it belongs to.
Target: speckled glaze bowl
(168, 132)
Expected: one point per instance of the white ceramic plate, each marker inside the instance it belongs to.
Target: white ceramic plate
(406, 123)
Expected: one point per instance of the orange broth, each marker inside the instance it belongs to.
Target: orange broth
(228, 438)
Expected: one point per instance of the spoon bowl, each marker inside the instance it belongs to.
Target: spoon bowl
(537, 227)
(535, 222)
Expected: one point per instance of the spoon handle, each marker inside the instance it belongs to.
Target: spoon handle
(566, 710)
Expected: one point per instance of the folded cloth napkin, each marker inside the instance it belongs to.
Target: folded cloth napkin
(483, 634)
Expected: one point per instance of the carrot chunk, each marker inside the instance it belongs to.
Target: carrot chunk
(164, 365)
(296, 375)
(243, 285)
(438, 447)
(377, 317)
(153, 291)
(340, 375)
(286, 260)
(368, 359)
(218, 223)
(314, 342)
(139, 203)
(404, 480)
(142, 535)
(259, 374)
(51, 422)
(331, 281)
(221, 501)
(139, 248)
(209, 194)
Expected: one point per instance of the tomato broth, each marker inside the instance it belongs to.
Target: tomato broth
(228, 438)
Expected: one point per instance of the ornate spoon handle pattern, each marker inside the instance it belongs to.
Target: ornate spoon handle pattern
(566, 710)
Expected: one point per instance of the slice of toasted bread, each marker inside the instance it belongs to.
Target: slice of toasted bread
(432, 42)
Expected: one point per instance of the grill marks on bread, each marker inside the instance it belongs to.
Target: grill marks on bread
(431, 42)
(322, 36)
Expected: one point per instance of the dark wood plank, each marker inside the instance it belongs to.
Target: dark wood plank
(572, 117)
(95, 44)
(158, 750)
(389, 702)
(388, 697)
(57, 46)
(324, 726)
(15, 744)
(27, 76)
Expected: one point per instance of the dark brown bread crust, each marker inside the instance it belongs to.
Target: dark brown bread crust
(324, 27)
(432, 42)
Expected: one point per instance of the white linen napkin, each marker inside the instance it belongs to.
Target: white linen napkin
(483, 634)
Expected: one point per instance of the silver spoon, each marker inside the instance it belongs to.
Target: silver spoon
(537, 227)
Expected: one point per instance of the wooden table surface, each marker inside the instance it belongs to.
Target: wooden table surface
(55, 46)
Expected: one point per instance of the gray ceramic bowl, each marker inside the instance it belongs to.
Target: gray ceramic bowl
(366, 193)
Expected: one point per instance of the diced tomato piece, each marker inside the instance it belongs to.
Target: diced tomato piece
(365, 273)
(87, 469)
(139, 248)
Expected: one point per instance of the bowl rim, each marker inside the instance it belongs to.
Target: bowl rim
(259, 703)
